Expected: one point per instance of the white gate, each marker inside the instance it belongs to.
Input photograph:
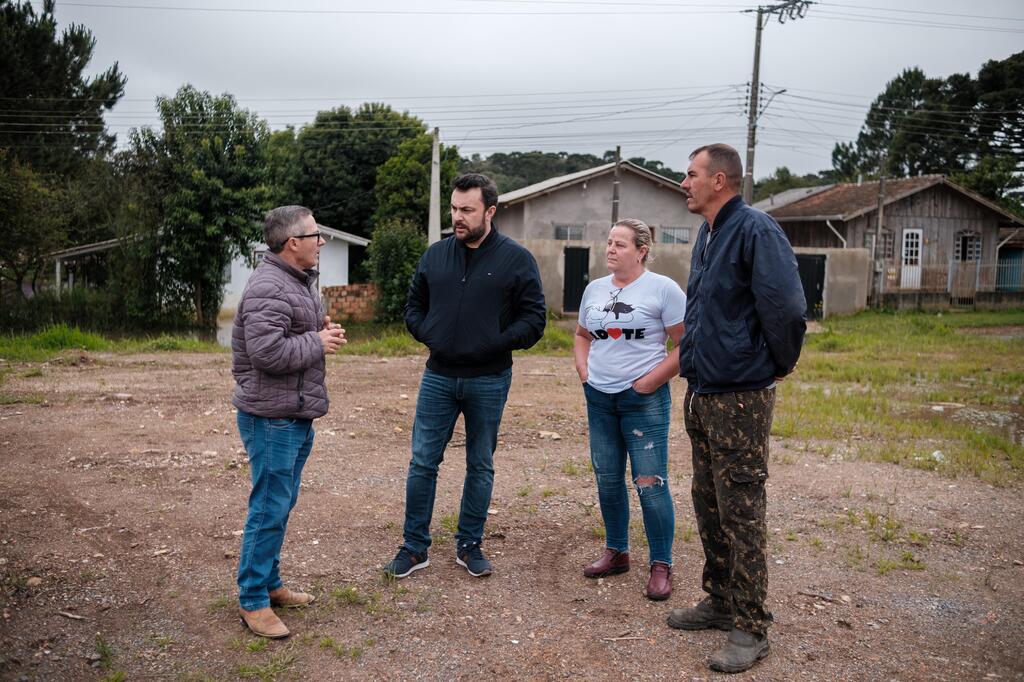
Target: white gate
(910, 273)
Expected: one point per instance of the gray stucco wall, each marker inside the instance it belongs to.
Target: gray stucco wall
(846, 279)
(671, 260)
(591, 206)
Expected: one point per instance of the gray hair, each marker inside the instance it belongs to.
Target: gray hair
(723, 159)
(280, 224)
(641, 235)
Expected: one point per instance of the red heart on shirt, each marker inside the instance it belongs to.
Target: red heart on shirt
(615, 332)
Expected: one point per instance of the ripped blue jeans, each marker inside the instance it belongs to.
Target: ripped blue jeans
(634, 426)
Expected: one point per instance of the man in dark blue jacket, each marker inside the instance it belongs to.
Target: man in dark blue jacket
(744, 329)
(473, 300)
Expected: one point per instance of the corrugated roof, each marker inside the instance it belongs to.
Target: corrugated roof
(849, 200)
(552, 184)
(788, 196)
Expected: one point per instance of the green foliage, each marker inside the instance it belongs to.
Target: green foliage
(403, 182)
(283, 166)
(44, 72)
(339, 157)
(958, 125)
(31, 221)
(208, 165)
(782, 179)
(394, 252)
(51, 341)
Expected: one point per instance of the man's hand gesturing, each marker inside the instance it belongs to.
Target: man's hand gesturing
(332, 336)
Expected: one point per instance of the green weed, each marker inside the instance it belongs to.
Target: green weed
(269, 672)
(570, 468)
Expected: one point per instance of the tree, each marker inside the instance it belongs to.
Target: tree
(339, 156)
(782, 179)
(58, 124)
(403, 182)
(393, 253)
(208, 166)
(283, 166)
(30, 220)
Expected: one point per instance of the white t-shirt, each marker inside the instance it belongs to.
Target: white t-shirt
(627, 327)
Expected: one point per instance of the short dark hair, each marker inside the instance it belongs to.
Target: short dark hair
(723, 159)
(488, 189)
(280, 225)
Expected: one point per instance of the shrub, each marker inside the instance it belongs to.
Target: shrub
(393, 253)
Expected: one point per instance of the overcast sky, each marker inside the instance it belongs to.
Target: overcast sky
(658, 77)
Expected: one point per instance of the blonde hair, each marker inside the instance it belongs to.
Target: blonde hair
(641, 235)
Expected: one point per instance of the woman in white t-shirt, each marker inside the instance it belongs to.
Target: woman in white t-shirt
(624, 321)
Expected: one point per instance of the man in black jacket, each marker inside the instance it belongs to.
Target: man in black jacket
(473, 300)
(744, 330)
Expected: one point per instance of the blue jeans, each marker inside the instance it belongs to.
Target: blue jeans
(481, 400)
(277, 450)
(633, 425)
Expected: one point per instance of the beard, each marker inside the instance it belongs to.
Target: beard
(472, 233)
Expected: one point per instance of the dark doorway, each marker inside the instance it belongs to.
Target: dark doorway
(577, 275)
(812, 277)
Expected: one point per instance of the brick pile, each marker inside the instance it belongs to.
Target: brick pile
(351, 303)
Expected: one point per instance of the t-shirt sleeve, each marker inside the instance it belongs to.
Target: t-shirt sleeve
(673, 308)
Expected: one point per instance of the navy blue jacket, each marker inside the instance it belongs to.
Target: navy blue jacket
(745, 306)
(472, 317)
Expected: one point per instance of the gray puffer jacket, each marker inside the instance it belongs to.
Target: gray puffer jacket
(277, 358)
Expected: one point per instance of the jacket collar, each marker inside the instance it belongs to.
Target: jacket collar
(726, 211)
(304, 276)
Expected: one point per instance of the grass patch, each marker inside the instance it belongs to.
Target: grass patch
(570, 468)
(906, 562)
(348, 595)
(865, 386)
(53, 340)
(340, 649)
(270, 671)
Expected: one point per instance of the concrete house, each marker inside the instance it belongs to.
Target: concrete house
(564, 222)
(940, 242)
(334, 260)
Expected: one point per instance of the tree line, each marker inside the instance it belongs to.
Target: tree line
(187, 197)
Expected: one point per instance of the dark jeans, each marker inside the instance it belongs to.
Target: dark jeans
(277, 450)
(635, 426)
(729, 435)
(481, 401)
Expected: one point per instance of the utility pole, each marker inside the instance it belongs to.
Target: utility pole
(792, 9)
(615, 187)
(877, 251)
(434, 219)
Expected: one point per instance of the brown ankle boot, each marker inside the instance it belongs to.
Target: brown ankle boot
(610, 563)
(282, 596)
(659, 585)
(264, 623)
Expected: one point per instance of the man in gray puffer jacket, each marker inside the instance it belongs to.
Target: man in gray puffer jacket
(279, 345)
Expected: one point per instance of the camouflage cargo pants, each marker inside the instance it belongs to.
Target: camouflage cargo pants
(729, 436)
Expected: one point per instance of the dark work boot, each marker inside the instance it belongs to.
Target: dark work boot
(741, 651)
(610, 563)
(709, 613)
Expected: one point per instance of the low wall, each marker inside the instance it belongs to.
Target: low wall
(351, 303)
(941, 300)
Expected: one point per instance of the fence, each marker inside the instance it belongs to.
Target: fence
(957, 284)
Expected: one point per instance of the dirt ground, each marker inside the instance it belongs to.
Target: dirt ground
(123, 495)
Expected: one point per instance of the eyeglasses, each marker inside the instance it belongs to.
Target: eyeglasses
(305, 236)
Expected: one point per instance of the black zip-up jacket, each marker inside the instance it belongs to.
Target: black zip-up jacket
(745, 306)
(472, 318)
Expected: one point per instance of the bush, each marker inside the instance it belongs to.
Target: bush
(394, 252)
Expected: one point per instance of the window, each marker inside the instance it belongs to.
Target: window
(675, 235)
(569, 231)
(887, 243)
(257, 256)
(967, 247)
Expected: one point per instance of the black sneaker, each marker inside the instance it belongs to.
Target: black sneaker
(470, 557)
(405, 562)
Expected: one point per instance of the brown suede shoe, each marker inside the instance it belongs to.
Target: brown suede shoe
(659, 585)
(282, 596)
(264, 623)
(611, 562)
